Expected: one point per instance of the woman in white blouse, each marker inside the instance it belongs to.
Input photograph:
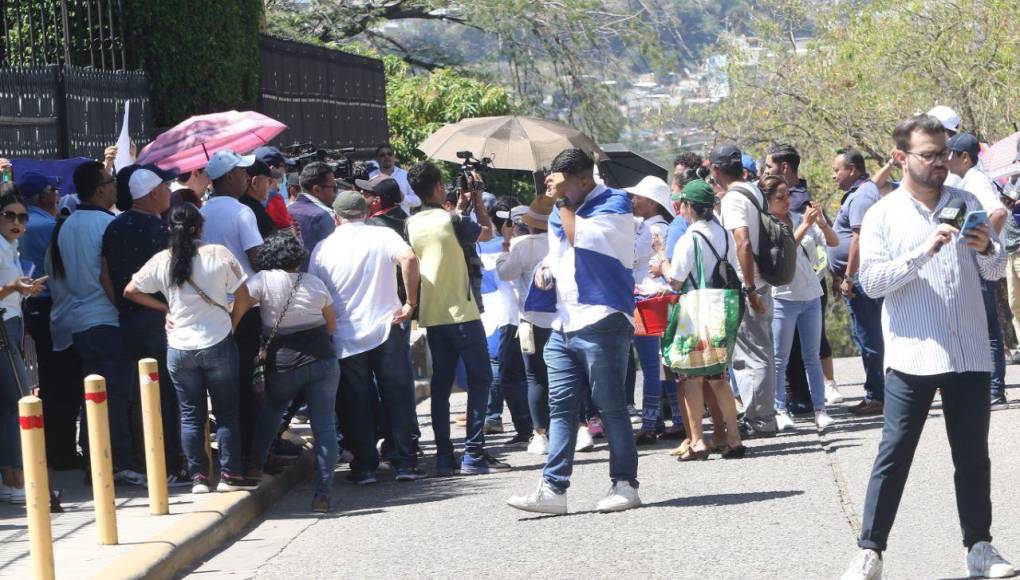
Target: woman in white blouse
(798, 305)
(697, 205)
(14, 285)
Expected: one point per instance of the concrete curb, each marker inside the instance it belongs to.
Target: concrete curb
(204, 530)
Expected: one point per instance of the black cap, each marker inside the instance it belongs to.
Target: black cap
(384, 186)
(724, 154)
(261, 168)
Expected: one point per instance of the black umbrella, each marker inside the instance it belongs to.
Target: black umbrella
(624, 168)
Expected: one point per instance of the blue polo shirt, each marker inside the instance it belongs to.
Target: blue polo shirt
(81, 243)
(36, 240)
(676, 230)
(856, 202)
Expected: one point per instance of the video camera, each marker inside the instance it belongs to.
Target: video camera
(339, 160)
(470, 164)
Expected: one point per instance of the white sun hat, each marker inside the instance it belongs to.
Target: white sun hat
(654, 189)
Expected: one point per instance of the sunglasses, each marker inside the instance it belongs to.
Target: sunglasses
(12, 216)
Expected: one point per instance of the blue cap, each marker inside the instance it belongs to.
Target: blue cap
(964, 142)
(32, 183)
(271, 156)
(748, 162)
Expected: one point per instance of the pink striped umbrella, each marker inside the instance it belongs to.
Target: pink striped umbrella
(190, 144)
(1000, 159)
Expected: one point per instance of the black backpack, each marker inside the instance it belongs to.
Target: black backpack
(724, 276)
(777, 250)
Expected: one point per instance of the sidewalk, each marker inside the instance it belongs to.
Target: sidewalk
(149, 546)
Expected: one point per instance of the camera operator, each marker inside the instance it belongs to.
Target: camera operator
(930, 279)
(450, 310)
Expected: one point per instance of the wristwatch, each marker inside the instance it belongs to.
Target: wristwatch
(564, 202)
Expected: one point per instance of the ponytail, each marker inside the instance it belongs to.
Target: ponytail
(185, 224)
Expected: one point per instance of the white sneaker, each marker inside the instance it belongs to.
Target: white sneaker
(784, 422)
(539, 444)
(15, 496)
(584, 440)
(832, 394)
(622, 496)
(984, 561)
(823, 420)
(867, 565)
(543, 501)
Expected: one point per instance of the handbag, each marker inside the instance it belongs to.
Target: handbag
(702, 327)
(258, 375)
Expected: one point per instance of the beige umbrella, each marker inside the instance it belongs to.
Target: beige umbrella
(512, 142)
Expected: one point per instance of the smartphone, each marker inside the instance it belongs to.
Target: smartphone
(41, 280)
(974, 219)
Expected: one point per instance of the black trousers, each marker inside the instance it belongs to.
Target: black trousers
(966, 408)
(249, 338)
(60, 386)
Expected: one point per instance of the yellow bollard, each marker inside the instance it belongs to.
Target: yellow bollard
(152, 420)
(37, 487)
(101, 458)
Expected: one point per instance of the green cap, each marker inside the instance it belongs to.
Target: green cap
(698, 191)
(350, 204)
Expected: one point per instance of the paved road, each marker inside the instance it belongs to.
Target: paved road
(790, 510)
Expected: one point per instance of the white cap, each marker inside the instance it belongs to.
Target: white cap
(654, 189)
(223, 161)
(948, 117)
(142, 183)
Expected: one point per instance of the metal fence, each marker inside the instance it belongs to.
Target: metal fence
(87, 33)
(330, 98)
(60, 112)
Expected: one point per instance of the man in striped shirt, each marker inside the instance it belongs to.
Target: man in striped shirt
(936, 338)
(589, 273)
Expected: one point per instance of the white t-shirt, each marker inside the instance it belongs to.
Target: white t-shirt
(10, 269)
(518, 268)
(358, 264)
(804, 285)
(197, 324)
(643, 252)
(272, 288)
(684, 260)
(232, 224)
(738, 212)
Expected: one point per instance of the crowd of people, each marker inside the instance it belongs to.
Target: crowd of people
(269, 295)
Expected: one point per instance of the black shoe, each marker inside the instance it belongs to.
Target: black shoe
(673, 433)
(735, 453)
(748, 432)
(642, 437)
(361, 477)
(519, 439)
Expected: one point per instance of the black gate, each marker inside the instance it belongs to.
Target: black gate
(329, 98)
(54, 112)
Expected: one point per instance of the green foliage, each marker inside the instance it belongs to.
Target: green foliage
(417, 105)
(207, 62)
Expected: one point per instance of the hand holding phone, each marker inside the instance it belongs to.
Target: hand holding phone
(974, 219)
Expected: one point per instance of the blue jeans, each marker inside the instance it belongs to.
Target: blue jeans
(103, 352)
(538, 380)
(381, 374)
(594, 356)
(11, 375)
(145, 337)
(965, 405)
(866, 325)
(805, 317)
(195, 374)
(648, 352)
(509, 382)
(448, 343)
(316, 384)
(995, 337)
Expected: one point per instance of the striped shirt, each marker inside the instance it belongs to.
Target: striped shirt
(933, 318)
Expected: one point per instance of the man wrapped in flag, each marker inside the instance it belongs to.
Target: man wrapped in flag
(587, 279)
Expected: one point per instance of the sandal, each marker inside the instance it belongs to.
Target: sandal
(692, 455)
(682, 449)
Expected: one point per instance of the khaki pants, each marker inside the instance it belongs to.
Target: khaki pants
(1013, 289)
